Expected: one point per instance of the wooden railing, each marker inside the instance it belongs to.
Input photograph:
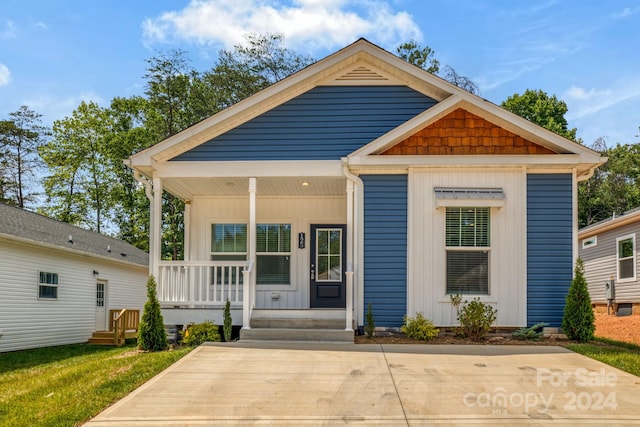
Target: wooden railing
(124, 324)
(201, 283)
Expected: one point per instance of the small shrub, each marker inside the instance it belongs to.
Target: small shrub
(532, 333)
(419, 328)
(476, 319)
(227, 325)
(151, 333)
(578, 322)
(197, 333)
(370, 326)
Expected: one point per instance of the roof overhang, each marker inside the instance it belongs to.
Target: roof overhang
(610, 224)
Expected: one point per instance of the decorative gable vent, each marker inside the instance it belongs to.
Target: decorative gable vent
(362, 73)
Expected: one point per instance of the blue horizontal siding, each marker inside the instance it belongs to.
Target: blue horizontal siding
(385, 247)
(325, 123)
(549, 246)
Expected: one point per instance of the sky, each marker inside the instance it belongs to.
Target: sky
(55, 54)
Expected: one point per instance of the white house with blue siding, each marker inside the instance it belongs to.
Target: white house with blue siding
(364, 179)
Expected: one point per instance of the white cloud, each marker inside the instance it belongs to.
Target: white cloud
(5, 75)
(584, 103)
(9, 31)
(41, 25)
(312, 24)
(54, 108)
(626, 12)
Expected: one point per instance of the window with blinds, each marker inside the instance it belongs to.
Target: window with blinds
(228, 242)
(273, 254)
(467, 241)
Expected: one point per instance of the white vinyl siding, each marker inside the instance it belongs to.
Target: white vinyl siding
(626, 255)
(30, 322)
(427, 250)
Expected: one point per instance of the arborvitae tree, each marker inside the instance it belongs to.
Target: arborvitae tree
(151, 333)
(578, 322)
(227, 326)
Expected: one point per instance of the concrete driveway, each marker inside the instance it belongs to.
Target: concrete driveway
(334, 384)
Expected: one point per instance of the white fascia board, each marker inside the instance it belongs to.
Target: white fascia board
(486, 160)
(269, 168)
(608, 225)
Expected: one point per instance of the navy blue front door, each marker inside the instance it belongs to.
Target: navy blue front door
(328, 260)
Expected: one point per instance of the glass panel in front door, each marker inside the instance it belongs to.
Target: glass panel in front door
(329, 255)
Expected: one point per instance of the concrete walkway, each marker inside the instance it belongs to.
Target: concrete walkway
(335, 384)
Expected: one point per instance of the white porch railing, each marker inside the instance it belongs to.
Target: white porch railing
(197, 283)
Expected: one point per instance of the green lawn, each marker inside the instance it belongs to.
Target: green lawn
(623, 356)
(67, 385)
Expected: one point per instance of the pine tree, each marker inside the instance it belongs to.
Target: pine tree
(578, 322)
(151, 333)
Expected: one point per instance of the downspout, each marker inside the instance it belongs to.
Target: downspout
(148, 191)
(355, 236)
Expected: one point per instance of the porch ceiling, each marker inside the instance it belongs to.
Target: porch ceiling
(189, 188)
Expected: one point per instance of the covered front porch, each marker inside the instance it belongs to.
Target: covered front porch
(269, 245)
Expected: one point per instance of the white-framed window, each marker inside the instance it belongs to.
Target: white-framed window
(626, 257)
(48, 285)
(228, 242)
(590, 242)
(467, 246)
(273, 254)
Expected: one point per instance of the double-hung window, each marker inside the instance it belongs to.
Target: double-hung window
(228, 243)
(273, 254)
(48, 285)
(467, 249)
(273, 250)
(626, 254)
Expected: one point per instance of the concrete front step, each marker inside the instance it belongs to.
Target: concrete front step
(296, 334)
(299, 319)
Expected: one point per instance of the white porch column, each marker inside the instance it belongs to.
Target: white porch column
(349, 272)
(155, 237)
(248, 300)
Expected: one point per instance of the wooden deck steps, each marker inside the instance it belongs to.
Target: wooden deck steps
(108, 337)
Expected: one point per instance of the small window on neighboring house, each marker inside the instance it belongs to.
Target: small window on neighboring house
(626, 254)
(273, 254)
(467, 250)
(590, 242)
(48, 285)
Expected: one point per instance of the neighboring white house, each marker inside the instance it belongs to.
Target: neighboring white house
(58, 282)
(363, 179)
(609, 250)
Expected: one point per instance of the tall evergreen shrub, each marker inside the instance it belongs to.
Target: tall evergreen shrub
(151, 333)
(578, 322)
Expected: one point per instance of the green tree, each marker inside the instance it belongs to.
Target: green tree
(578, 322)
(423, 57)
(20, 137)
(262, 56)
(544, 110)
(151, 333)
(614, 187)
(79, 185)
